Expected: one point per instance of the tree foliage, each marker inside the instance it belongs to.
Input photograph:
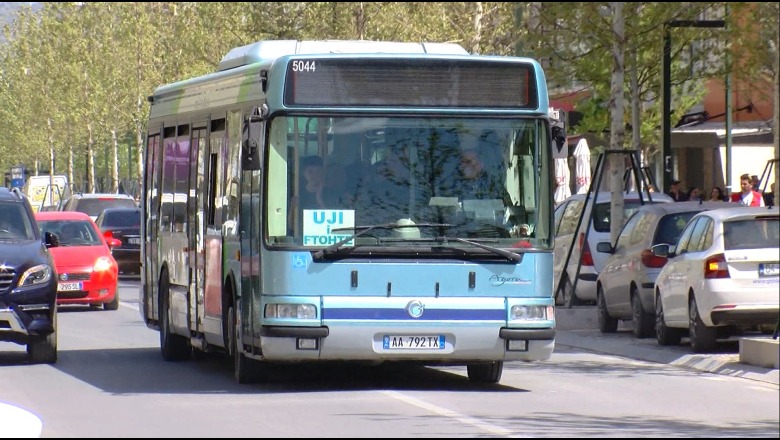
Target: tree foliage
(75, 76)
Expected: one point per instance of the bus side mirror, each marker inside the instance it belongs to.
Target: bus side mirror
(253, 138)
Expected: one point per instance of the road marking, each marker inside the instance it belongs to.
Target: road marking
(129, 306)
(487, 427)
(17, 422)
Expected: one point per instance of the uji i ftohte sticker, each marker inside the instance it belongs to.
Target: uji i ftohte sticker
(319, 225)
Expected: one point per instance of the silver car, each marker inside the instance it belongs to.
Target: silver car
(624, 287)
(569, 238)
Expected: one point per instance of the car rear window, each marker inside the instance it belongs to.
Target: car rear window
(122, 219)
(602, 211)
(756, 233)
(671, 226)
(94, 207)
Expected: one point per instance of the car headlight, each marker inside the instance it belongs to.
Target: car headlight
(102, 264)
(295, 311)
(35, 275)
(532, 313)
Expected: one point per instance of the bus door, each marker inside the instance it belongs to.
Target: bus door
(212, 210)
(151, 205)
(197, 229)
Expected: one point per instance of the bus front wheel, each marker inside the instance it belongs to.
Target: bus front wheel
(245, 370)
(172, 346)
(489, 372)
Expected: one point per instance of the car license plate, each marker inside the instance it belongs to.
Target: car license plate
(769, 269)
(406, 342)
(134, 240)
(68, 287)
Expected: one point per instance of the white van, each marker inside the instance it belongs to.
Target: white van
(46, 192)
(567, 214)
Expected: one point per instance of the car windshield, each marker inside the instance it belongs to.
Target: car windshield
(71, 232)
(481, 177)
(751, 234)
(15, 224)
(93, 207)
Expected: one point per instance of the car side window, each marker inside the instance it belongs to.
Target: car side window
(708, 233)
(696, 240)
(682, 244)
(570, 217)
(641, 230)
(699, 236)
(624, 239)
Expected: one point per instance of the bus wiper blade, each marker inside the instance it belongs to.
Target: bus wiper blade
(368, 228)
(511, 256)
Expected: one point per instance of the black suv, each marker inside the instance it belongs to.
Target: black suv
(28, 280)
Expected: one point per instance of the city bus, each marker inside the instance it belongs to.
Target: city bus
(323, 209)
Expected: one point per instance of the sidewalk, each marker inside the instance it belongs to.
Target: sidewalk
(578, 328)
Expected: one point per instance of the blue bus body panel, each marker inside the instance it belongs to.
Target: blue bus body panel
(294, 273)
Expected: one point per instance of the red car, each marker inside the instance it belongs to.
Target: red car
(87, 272)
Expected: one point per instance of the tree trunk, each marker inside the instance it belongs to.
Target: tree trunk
(115, 162)
(90, 160)
(617, 130)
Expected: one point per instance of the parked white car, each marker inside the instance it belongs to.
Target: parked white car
(723, 274)
(624, 288)
(567, 217)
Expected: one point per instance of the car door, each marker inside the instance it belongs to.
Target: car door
(675, 300)
(616, 274)
(687, 271)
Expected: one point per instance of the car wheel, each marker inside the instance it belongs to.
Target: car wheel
(173, 347)
(703, 338)
(114, 304)
(43, 349)
(489, 372)
(663, 334)
(643, 321)
(607, 324)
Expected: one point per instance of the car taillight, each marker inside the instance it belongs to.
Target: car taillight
(650, 260)
(108, 234)
(715, 267)
(587, 258)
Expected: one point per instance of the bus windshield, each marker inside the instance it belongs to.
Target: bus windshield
(473, 178)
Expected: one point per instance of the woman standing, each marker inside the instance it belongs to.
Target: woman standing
(716, 195)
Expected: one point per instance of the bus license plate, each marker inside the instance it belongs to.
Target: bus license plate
(406, 342)
(769, 269)
(68, 287)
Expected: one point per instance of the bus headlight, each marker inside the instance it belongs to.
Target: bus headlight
(532, 313)
(294, 311)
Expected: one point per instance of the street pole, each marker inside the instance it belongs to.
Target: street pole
(666, 94)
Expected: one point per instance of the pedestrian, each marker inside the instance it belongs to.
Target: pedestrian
(694, 194)
(675, 192)
(717, 194)
(747, 196)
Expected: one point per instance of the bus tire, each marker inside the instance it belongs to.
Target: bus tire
(172, 346)
(489, 372)
(245, 369)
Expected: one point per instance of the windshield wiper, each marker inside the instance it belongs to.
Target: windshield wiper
(511, 256)
(368, 228)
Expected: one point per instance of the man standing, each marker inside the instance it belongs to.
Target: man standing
(675, 193)
(747, 197)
